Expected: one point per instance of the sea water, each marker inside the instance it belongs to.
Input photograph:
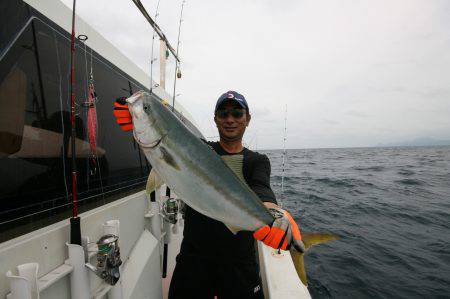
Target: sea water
(391, 208)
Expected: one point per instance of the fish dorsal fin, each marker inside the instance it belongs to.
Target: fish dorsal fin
(309, 239)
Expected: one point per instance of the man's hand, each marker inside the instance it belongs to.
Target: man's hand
(122, 114)
(283, 233)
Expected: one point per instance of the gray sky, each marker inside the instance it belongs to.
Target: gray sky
(351, 72)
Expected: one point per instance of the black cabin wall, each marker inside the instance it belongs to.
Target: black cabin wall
(35, 132)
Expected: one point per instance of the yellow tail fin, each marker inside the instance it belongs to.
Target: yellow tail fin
(309, 239)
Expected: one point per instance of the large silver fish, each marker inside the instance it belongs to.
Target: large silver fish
(195, 172)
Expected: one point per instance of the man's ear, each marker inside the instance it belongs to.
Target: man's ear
(249, 117)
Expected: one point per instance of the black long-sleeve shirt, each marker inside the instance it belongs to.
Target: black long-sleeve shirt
(207, 238)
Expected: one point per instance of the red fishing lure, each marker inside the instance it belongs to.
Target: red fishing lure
(92, 119)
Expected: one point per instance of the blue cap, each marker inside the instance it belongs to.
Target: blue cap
(232, 96)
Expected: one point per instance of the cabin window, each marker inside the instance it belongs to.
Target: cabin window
(35, 130)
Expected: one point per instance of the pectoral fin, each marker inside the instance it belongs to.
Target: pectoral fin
(168, 158)
(233, 229)
(309, 239)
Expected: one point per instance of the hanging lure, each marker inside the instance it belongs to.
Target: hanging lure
(92, 123)
(92, 116)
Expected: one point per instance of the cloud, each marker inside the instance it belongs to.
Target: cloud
(351, 72)
(357, 113)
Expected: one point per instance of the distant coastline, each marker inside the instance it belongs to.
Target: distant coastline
(379, 145)
(416, 142)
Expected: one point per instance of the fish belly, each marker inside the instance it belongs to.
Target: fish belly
(197, 191)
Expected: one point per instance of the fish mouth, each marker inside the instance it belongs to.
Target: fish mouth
(153, 144)
(133, 98)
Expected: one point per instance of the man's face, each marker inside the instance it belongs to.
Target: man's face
(231, 128)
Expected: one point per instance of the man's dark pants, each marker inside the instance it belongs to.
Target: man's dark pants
(203, 279)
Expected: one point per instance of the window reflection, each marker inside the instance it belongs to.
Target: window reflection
(35, 130)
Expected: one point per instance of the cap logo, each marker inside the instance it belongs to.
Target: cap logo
(230, 96)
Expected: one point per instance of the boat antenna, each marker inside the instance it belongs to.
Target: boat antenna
(75, 228)
(177, 71)
(284, 157)
(155, 26)
(152, 60)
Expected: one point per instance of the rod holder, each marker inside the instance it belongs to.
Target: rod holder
(79, 278)
(155, 220)
(24, 285)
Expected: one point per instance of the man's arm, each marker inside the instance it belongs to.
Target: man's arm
(270, 205)
(284, 232)
(259, 181)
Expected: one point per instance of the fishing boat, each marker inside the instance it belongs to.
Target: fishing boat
(130, 235)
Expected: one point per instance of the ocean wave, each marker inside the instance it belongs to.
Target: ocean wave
(312, 197)
(391, 212)
(276, 179)
(406, 172)
(407, 217)
(335, 182)
(346, 182)
(369, 168)
(410, 182)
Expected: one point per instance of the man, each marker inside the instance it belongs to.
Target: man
(212, 260)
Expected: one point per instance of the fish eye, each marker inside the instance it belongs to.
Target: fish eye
(146, 107)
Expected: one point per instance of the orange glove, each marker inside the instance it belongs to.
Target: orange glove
(122, 114)
(283, 233)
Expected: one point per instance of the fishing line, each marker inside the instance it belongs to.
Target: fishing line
(83, 38)
(155, 26)
(95, 101)
(62, 118)
(152, 59)
(177, 70)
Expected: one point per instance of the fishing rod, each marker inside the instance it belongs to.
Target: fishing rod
(177, 71)
(155, 26)
(152, 60)
(284, 157)
(75, 228)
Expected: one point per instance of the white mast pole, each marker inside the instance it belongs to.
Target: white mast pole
(162, 64)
